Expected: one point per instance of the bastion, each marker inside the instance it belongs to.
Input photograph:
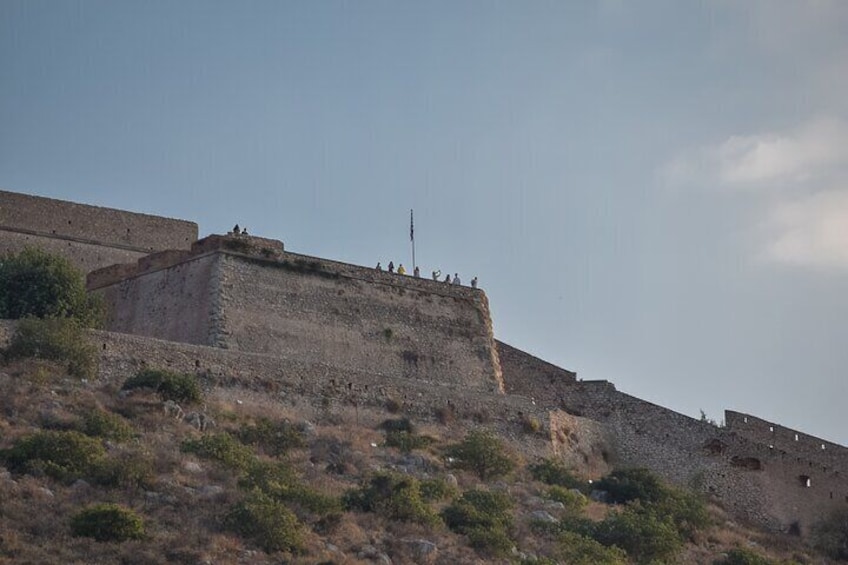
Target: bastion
(248, 294)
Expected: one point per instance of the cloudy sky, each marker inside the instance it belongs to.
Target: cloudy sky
(653, 193)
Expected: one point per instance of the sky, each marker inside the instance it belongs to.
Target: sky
(652, 193)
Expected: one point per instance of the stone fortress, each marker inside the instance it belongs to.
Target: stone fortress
(243, 309)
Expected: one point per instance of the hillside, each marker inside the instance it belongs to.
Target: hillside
(207, 477)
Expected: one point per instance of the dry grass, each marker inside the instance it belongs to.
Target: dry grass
(187, 497)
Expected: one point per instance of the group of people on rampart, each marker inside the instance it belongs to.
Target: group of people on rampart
(437, 274)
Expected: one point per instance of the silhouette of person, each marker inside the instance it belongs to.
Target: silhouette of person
(401, 270)
(416, 272)
(391, 266)
(456, 280)
(474, 282)
(379, 267)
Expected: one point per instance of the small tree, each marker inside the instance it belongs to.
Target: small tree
(38, 284)
(59, 339)
(484, 454)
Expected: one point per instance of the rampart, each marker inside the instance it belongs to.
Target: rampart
(90, 236)
(248, 294)
(777, 487)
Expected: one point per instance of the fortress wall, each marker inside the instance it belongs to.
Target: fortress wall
(83, 255)
(175, 303)
(321, 311)
(533, 377)
(811, 447)
(36, 215)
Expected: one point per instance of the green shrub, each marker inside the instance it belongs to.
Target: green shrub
(830, 535)
(62, 455)
(222, 448)
(266, 522)
(407, 442)
(484, 454)
(478, 508)
(394, 496)
(531, 425)
(274, 438)
(554, 472)
(642, 534)
(573, 501)
(686, 510)
(398, 425)
(56, 339)
(575, 549)
(102, 424)
(37, 284)
(743, 557)
(494, 542)
(128, 469)
(279, 482)
(624, 485)
(107, 522)
(485, 517)
(178, 387)
(437, 489)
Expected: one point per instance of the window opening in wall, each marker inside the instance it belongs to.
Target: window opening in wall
(805, 481)
(796, 437)
(771, 446)
(745, 419)
(771, 428)
(822, 446)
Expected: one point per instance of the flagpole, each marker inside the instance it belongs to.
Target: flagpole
(412, 238)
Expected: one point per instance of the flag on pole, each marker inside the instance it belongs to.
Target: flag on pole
(411, 227)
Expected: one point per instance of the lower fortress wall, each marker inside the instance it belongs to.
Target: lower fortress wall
(760, 481)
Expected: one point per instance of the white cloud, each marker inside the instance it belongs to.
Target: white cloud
(811, 231)
(794, 173)
(816, 150)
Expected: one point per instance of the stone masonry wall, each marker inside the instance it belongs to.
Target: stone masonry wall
(233, 293)
(177, 303)
(770, 486)
(768, 433)
(374, 322)
(90, 236)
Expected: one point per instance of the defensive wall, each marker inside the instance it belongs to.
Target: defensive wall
(328, 388)
(89, 236)
(249, 294)
(755, 472)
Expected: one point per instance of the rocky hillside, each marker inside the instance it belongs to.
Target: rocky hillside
(156, 467)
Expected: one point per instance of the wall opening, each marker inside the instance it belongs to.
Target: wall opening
(805, 481)
(771, 429)
(749, 463)
(796, 437)
(823, 447)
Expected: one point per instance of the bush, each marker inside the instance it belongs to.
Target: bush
(107, 522)
(625, 485)
(222, 448)
(58, 339)
(398, 425)
(485, 518)
(642, 534)
(62, 455)
(479, 508)
(128, 469)
(274, 438)
(437, 489)
(830, 535)
(484, 454)
(102, 424)
(407, 442)
(553, 472)
(177, 387)
(576, 549)
(279, 482)
(573, 501)
(743, 557)
(531, 425)
(266, 522)
(38, 284)
(393, 496)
